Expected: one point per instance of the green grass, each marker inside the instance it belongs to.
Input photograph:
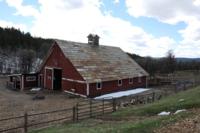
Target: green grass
(91, 126)
(148, 112)
(171, 103)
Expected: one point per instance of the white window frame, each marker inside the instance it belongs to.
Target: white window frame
(130, 80)
(119, 82)
(97, 85)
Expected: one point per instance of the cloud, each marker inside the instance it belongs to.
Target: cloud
(116, 1)
(75, 19)
(173, 12)
(168, 11)
(23, 10)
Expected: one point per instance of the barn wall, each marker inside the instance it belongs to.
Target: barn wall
(75, 87)
(30, 83)
(58, 60)
(112, 86)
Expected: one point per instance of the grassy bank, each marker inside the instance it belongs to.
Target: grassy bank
(136, 119)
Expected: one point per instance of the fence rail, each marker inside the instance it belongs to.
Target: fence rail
(88, 108)
(82, 110)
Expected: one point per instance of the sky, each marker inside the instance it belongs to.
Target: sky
(143, 27)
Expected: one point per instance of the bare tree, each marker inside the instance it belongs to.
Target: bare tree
(26, 58)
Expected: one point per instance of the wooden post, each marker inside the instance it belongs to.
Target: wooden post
(25, 122)
(90, 108)
(74, 113)
(103, 106)
(137, 99)
(114, 104)
(153, 96)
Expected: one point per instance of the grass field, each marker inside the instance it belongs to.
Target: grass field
(137, 119)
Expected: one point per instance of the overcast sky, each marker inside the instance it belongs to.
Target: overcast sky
(144, 27)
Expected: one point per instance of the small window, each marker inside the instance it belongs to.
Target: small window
(99, 85)
(119, 82)
(130, 80)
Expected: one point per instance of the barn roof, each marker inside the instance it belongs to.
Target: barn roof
(100, 63)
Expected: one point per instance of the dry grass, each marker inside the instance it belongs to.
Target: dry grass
(14, 103)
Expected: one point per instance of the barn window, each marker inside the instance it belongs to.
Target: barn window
(130, 80)
(120, 82)
(30, 78)
(99, 85)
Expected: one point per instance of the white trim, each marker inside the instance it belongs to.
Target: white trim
(72, 80)
(130, 81)
(75, 93)
(118, 82)
(99, 88)
(146, 82)
(47, 67)
(88, 89)
(22, 83)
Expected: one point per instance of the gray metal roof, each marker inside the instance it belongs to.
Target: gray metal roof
(100, 63)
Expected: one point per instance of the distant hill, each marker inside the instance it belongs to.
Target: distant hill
(188, 59)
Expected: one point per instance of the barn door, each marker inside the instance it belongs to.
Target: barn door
(48, 78)
(57, 80)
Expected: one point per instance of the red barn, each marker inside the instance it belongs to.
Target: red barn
(90, 69)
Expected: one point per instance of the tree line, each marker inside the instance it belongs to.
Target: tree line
(165, 65)
(15, 43)
(12, 40)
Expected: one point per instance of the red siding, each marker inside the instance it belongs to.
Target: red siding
(79, 88)
(112, 86)
(58, 60)
(30, 84)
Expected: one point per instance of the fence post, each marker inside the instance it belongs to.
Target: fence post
(25, 122)
(137, 100)
(74, 113)
(153, 97)
(90, 108)
(103, 106)
(114, 104)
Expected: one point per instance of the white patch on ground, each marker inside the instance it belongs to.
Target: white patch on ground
(35, 89)
(181, 100)
(164, 113)
(121, 93)
(179, 111)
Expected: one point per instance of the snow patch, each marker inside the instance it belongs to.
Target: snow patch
(121, 93)
(178, 111)
(164, 113)
(181, 100)
(35, 89)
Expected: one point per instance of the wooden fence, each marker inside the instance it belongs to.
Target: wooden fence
(82, 110)
(88, 108)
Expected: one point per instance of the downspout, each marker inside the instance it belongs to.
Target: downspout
(22, 83)
(146, 82)
(87, 89)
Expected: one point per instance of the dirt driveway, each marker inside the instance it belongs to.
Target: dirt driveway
(14, 103)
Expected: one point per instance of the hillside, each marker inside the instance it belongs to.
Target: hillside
(144, 119)
(21, 50)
